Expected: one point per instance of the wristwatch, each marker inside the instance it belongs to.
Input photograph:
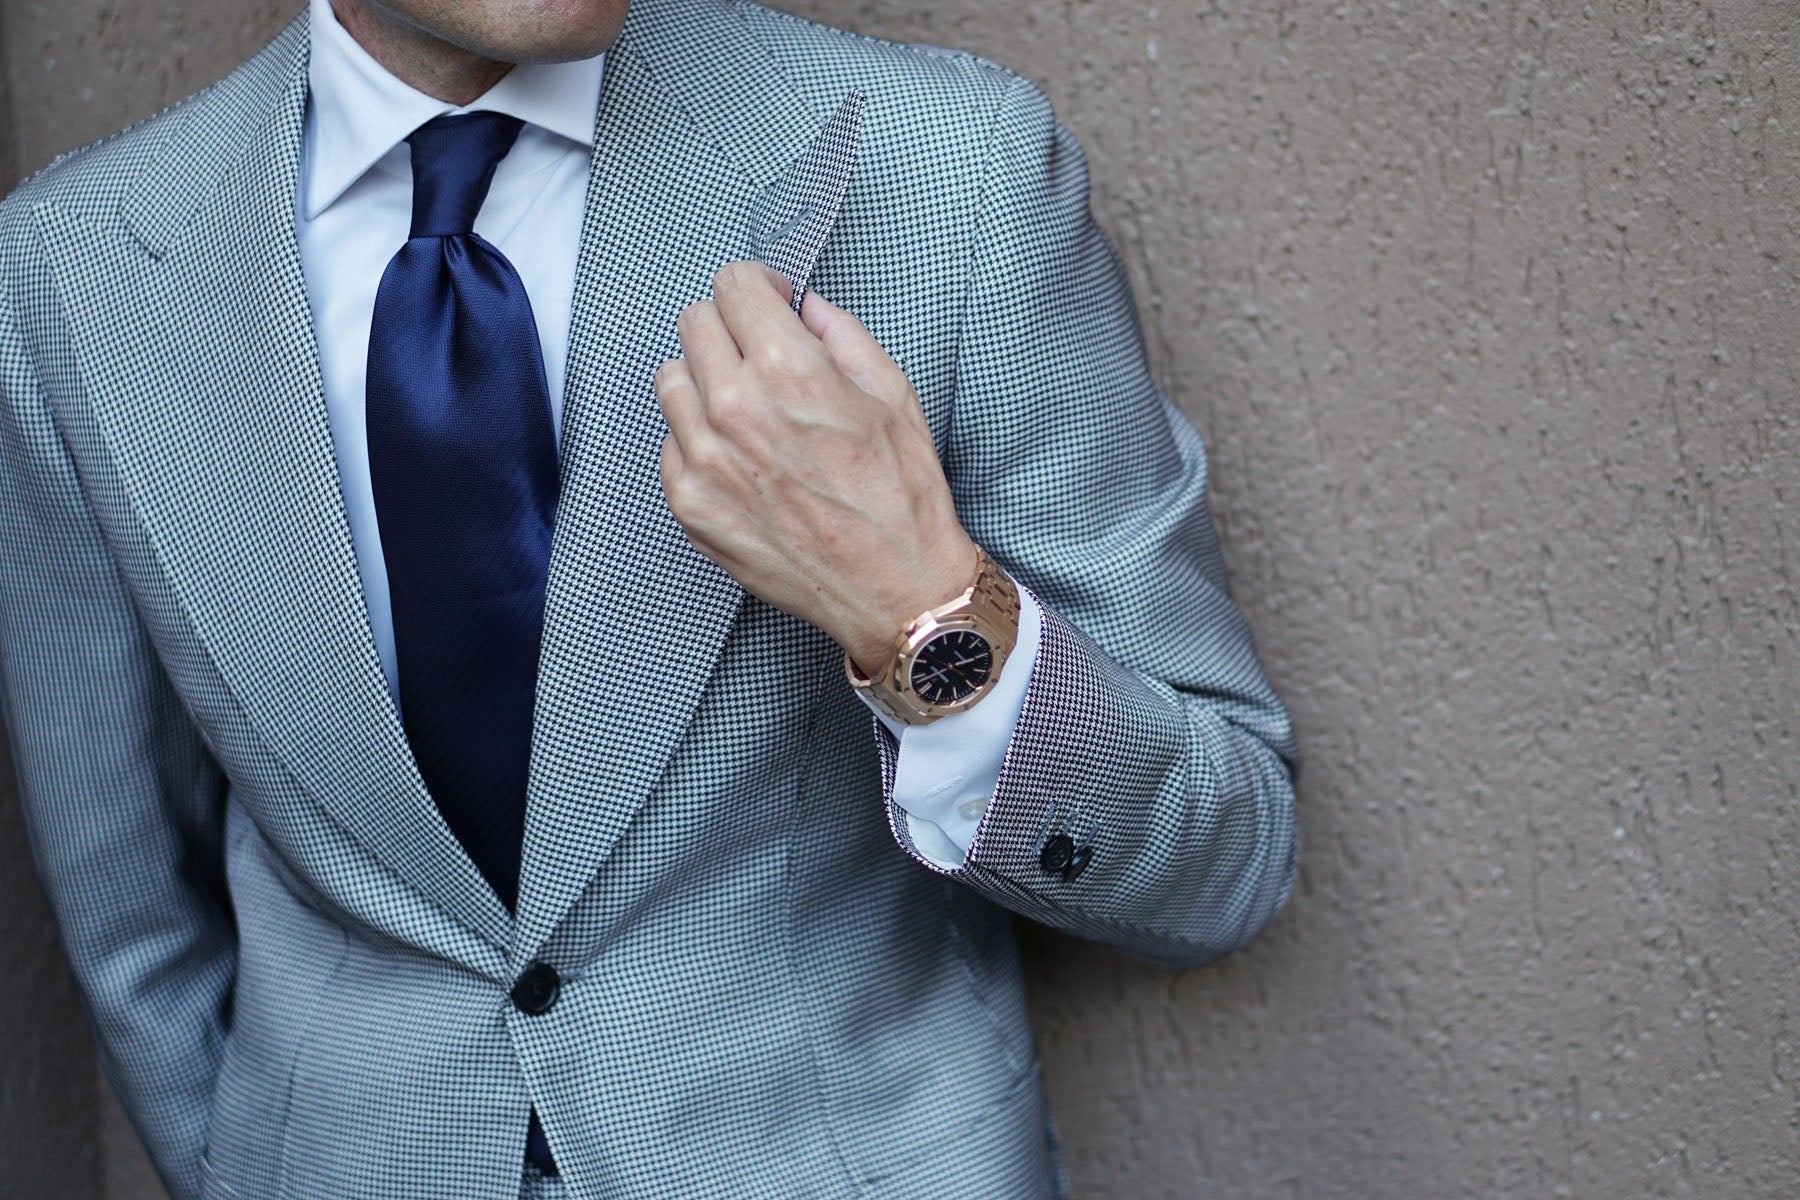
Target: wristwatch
(949, 657)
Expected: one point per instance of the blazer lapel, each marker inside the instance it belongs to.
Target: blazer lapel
(696, 129)
(795, 216)
(200, 361)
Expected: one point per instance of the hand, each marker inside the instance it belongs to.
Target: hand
(799, 460)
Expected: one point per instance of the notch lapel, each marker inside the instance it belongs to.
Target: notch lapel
(696, 130)
(200, 361)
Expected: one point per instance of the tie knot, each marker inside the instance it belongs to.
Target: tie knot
(453, 161)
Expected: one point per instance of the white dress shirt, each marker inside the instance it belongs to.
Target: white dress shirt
(354, 214)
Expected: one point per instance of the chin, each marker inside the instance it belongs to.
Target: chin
(530, 31)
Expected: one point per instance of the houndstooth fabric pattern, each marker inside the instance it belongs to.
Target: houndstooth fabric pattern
(538, 1186)
(802, 215)
(298, 980)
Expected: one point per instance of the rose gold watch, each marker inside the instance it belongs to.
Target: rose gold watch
(949, 657)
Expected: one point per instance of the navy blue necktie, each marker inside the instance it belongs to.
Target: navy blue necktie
(463, 462)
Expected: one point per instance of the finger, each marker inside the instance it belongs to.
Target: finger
(784, 287)
(671, 468)
(680, 400)
(678, 494)
(711, 352)
(754, 302)
(856, 353)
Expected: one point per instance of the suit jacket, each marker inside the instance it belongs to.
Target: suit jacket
(298, 980)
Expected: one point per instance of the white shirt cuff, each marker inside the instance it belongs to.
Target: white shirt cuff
(947, 770)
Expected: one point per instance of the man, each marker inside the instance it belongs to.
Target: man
(439, 572)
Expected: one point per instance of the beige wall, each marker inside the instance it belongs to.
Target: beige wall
(1488, 312)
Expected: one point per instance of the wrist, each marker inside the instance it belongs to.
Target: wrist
(947, 658)
(870, 639)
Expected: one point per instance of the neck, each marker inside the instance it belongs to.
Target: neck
(417, 57)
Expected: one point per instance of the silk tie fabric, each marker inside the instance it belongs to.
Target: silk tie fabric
(463, 462)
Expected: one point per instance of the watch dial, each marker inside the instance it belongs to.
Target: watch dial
(951, 666)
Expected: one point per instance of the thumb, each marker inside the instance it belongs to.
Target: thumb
(857, 354)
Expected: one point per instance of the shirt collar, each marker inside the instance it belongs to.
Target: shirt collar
(357, 110)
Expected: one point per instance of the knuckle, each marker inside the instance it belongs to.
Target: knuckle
(675, 485)
(730, 403)
(778, 358)
(706, 459)
(686, 497)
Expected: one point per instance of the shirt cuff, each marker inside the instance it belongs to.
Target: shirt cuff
(946, 771)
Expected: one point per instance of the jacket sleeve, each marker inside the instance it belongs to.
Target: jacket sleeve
(1149, 736)
(122, 802)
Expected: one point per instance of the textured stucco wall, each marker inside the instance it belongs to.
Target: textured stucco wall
(1489, 313)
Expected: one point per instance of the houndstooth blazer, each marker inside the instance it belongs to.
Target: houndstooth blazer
(299, 981)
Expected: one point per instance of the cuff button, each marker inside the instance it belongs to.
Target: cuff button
(1078, 862)
(1058, 852)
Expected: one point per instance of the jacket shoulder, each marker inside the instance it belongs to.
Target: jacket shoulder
(957, 90)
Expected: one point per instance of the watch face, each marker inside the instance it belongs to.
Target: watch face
(952, 666)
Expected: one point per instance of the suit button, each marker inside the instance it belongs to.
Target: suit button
(537, 988)
(1078, 862)
(1057, 853)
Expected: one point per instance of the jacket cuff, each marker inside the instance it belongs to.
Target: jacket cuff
(943, 775)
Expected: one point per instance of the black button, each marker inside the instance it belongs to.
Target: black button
(537, 989)
(1078, 862)
(1057, 853)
